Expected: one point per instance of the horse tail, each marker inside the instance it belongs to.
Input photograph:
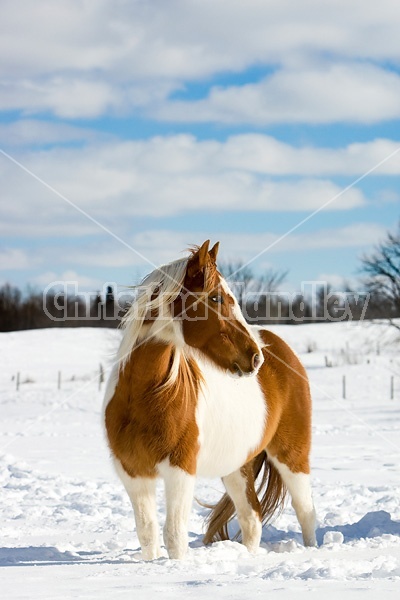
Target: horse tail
(271, 493)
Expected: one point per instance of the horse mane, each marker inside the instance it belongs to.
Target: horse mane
(154, 295)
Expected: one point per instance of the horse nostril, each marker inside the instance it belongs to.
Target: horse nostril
(256, 361)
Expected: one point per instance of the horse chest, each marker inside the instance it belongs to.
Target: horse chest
(231, 417)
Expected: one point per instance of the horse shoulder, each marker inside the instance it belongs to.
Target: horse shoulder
(149, 419)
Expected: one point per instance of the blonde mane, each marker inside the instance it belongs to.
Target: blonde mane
(154, 296)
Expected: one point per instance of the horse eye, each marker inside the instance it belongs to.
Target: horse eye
(217, 299)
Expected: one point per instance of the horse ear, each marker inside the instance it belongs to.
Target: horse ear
(199, 260)
(213, 252)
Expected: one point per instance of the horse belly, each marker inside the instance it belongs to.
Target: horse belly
(231, 417)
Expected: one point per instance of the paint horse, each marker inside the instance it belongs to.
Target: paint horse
(196, 391)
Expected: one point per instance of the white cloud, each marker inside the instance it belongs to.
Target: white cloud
(13, 259)
(65, 97)
(388, 196)
(352, 236)
(189, 39)
(107, 254)
(28, 209)
(51, 278)
(33, 132)
(118, 181)
(76, 96)
(264, 154)
(79, 58)
(157, 246)
(124, 164)
(358, 93)
(115, 181)
(160, 246)
(355, 235)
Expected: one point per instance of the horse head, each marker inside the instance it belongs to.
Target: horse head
(212, 321)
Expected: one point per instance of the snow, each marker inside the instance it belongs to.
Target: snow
(67, 525)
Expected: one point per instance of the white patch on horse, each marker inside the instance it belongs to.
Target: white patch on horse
(231, 416)
(299, 488)
(142, 494)
(179, 489)
(248, 518)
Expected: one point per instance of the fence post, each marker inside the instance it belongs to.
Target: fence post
(344, 387)
(17, 383)
(59, 380)
(392, 387)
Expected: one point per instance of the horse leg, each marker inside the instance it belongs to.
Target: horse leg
(142, 494)
(299, 488)
(179, 490)
(240, 487)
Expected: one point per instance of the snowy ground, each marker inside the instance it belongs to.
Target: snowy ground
(67, 528)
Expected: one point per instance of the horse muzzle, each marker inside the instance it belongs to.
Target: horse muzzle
(255, 363)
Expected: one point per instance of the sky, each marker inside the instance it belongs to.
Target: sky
(133, 129)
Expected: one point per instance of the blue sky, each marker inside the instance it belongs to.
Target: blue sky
(170, 123)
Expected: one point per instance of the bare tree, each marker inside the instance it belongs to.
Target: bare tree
(382, 269)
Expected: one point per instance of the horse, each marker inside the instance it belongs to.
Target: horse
(196, 391)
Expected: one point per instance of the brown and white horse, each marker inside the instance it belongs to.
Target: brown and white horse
(172, 410)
